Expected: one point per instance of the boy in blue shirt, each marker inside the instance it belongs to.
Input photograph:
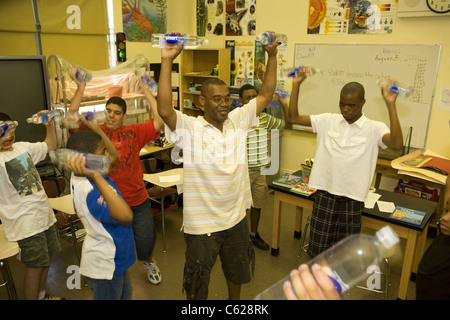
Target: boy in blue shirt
(108, 248)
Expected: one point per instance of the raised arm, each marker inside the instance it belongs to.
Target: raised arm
(50, 137)
(284, 101)
(157, 121)
(76, 100)
(293, 116)
(394, 139)
(267, 89)
(113, 154)
(164, 98)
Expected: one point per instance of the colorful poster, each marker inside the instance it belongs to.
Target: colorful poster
(260, 64)
(210, 17)
(240, 17)
(142, 18)
(245, 62)
(351, 16)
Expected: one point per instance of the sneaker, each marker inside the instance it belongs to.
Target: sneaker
(153, 273)
(258, 242)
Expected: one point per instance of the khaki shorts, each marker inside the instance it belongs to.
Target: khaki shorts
(37, 250)
(259, 189)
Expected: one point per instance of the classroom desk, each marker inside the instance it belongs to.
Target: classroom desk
(173, 177)
(384, 168)
(155, 149)
(8, 249)
(372, 218)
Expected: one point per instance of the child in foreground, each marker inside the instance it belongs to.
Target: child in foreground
(108, 248)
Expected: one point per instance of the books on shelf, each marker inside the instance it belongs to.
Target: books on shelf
(436, 164)
(407, 215)
(295, 182)
(416, 162)
(302, 188)
(287, 180)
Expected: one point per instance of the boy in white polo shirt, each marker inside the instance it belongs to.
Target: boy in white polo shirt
(216, 184)
(345, 160)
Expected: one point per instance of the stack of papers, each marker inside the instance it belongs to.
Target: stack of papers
(383, 206)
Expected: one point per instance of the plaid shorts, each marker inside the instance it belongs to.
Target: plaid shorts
(333, 219)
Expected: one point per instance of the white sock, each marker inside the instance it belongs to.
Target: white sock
(41, 295)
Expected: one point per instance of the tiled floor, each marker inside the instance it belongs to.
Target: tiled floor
(268, 270)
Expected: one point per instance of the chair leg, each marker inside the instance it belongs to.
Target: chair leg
(387, 278)
(74, 239)
(9, 282)
(163, 219)
(303, 246)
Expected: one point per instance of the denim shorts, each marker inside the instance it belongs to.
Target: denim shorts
(235, 250)
(37, 250)
(118, 288)
(144, 230)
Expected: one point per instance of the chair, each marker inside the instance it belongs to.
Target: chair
(65, 221)
(8, 249)
(158, 194)
(303, 246)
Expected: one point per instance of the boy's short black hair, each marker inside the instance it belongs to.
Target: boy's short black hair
(84, 141)
(246, 86)
(4, 117)
(119, 101)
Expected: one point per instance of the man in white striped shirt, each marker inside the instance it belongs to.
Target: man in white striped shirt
(216, 185)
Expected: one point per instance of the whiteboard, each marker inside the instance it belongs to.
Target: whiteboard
(339, 64)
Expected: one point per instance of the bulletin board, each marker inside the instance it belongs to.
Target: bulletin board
(338, 64)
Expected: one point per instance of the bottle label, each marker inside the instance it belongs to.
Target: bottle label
(339, 284)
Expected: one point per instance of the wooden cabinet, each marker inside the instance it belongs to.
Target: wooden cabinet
(198, 65)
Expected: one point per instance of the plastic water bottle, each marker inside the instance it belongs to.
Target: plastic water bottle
(399, 88)
(293, 72)
(266, 38)
(346, 262)
(7, 126)
(148, 81)
(190, 41)
(94, 162)
(82, 74)
(72, 119)
(45, 116)
(282, 93)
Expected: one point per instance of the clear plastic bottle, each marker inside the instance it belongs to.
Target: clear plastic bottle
(399, 88)
(295, 71)
(148, 81)
(94, 162)
(282, 93)
(346, 262)
(7, 126)
(72, 119)
(266, 38)
(45, 116)
(190, 41)
(82, 74)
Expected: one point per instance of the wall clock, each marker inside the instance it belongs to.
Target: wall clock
(439, 6)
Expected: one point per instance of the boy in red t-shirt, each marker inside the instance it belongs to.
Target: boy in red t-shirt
(127, 172)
